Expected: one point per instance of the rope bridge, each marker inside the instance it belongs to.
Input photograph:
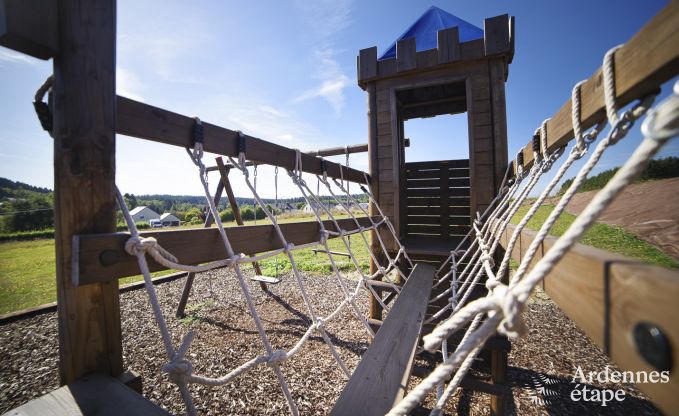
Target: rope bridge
(500, 311)
(178, 366)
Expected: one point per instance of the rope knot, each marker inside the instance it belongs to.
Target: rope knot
(320, 323)
(277, 357)
(507, 303)
(325, 235)
(236, 258)
(487, 258)
(382, 270)
(289, 247)
(179, 370)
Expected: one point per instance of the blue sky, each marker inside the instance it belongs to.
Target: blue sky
(285, 71)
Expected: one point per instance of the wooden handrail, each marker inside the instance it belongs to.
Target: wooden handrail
(144, 121)
(607, 295)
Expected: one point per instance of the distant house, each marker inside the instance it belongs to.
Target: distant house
(309, 209)
(169, 220)
(143, 213)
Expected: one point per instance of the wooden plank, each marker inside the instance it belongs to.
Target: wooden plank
(436, 164)
(151, 123)
(423, 219)
(192, 246)
(448, 45)
(432, 192)
(647, 60)
(381, 377)
(424, 229)
(30, 27)
(367, 63)
(431, 183)
(84, 184)
(94, 394)
(430, 210)
(607, 295)
(496, 35)
(406, 59)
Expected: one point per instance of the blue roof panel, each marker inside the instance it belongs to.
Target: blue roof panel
(425, 29)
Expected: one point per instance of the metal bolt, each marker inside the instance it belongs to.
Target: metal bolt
(652, 344)
(109, 257)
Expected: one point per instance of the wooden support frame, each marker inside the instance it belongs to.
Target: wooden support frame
(647, 60)
(606, 295)
(30, 27)
(144, 121)
(84, 116)
(102, 257)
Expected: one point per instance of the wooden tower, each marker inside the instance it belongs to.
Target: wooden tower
(440, 65)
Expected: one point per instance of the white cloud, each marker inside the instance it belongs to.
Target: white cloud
(128, 84)
(12, 57)
(333, 81)
(325, 17)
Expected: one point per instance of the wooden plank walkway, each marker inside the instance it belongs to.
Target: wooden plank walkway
(95, 394)
(381, 377)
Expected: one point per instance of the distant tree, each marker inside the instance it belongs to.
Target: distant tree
(130, 200)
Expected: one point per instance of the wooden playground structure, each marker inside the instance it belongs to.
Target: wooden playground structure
(432, 205)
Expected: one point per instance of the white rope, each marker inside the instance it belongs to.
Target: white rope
(505, 303)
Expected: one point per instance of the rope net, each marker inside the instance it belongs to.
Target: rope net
(178, 367)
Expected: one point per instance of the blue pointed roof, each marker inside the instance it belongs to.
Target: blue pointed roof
(425, 29)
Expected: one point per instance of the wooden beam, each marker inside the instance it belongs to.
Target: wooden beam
(151, 123)
(647, 60)
(367, 63)
(84, 183)
(95, 394)
(406, 56)
(381, 378)
(607, 295)
(341, 150)
(192, 246)
(448, 45)
(496, 36)
(30, 27)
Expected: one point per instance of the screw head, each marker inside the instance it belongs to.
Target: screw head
(652, 344)
(109, 257)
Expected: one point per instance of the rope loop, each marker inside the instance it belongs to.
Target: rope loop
(608, 69)
(512, 324)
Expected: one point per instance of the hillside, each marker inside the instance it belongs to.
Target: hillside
(657, 169)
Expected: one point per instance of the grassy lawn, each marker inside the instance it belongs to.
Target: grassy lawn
(27, 268)
(603, 236)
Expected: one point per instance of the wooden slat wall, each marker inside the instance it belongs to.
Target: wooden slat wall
(437, 198)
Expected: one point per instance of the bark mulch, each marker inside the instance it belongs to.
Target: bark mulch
(226, 337)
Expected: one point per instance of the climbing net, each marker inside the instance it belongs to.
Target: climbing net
(500, 311)
(178, 366)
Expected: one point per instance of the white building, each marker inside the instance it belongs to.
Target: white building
(169, 220)
(143, 213)
(308, 209)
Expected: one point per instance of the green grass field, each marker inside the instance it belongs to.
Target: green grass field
(27, 268)
(602, 236)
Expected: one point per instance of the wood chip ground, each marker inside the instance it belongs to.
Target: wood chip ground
(226, 337)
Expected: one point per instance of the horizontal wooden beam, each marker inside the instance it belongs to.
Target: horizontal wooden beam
(607, 295)
(341, 150)
(102, 257)
(30, 27)
(152, 123)
(647, 60)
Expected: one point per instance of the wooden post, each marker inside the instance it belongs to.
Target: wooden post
(190, 277)
(373, 169)
(84, 182)
(498, 374)
(224, 173)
